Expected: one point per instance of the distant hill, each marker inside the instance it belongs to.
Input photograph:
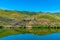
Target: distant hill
(10, 18)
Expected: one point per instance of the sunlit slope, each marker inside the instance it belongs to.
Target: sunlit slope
(53, 17)
(24, 18)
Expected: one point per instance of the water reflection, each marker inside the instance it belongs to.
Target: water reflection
(54, 36)
(37, 31)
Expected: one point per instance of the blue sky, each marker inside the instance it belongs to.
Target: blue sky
(31, 5)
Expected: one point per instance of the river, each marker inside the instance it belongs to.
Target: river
(53, 36)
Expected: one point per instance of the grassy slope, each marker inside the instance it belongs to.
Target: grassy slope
(8, 17)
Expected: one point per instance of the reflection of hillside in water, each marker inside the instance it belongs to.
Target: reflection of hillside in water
(36, 30)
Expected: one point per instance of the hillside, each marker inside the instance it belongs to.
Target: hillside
(9, 18)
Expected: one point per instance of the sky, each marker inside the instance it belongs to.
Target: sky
(31, 5)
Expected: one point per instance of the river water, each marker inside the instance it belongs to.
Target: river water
(53, 36)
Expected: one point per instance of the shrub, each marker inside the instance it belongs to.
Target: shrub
(1, 27)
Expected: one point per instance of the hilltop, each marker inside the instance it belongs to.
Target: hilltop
(11, 18)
